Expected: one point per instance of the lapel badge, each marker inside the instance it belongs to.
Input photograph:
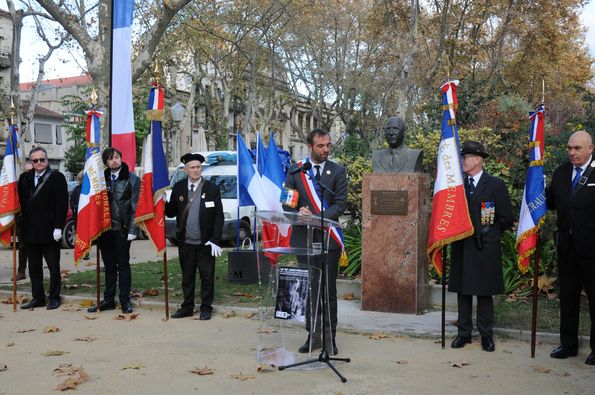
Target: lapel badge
(181, 198)
(593, 163)
(202, 196)
(328, 172)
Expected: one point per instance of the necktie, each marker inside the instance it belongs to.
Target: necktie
(576, 177)
(317, 176)
(37, 178)
(191, 188)
(114, 177)
(470, 185)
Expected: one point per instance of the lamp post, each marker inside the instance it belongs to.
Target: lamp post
(177, 115)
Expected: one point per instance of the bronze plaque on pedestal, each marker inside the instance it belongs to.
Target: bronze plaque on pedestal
(389, 202)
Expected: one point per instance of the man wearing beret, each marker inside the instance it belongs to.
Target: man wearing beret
(476, 267)
(196, 204)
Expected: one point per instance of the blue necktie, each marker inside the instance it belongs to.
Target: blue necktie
(470, 185)
(114, 177)
(576, 177)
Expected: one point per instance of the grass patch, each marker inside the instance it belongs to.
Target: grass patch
(517, 315)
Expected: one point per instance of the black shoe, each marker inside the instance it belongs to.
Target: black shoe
(487, 343)
(562, 352)
(33, 303)
(181, 313)
(103, 305)
(53, 304)
(305, 348)
(20, 276)
(126, 307)
(460, 341)
(590, 359)
(205, 315)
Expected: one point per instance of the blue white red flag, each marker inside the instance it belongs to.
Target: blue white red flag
(93, 216)
(9, 204)
(450, 219)
(533, 206)
(250, 190)
(123, 136)
(150, 209)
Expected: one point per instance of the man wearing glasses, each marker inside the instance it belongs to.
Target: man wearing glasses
(44, 202)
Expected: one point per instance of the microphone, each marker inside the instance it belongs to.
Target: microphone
(305, 167)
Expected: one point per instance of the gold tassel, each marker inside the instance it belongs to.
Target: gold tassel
(343, 261)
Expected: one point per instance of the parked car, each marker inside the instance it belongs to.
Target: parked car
(221, 168)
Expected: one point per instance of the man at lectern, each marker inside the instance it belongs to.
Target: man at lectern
(308, 177)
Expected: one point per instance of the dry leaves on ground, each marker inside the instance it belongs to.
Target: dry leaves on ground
(151, 292)
(458, 364)
(87, 303)
(71, 307)
(10, 344)
(54, 353)
(267, 331)
(202, 371)
(126, 317)
(349, 296)
(25, 330)
(87, 339)
(91, 316)
(134, 365)
(244, 295)
(20, 299)
(228, 314)
(541, 369)
(75, 375)
(51, 329)
(249, 315)
(262, 368)
(241, 376)
(378, 336)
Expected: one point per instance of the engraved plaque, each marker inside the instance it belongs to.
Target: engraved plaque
(390, 202)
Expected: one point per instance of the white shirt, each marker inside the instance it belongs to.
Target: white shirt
(318, 164)
(193, 183)
(38, 177)
(476, 177)
(115, 173)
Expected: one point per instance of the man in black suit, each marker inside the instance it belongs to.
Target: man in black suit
(334, 201)
(196, 204)
(123, 188)
(476, 267)
(44, 203)
(572, 194)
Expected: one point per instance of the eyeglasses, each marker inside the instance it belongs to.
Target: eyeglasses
(40, 160)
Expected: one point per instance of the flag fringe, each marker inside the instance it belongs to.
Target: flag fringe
(437, 246)
(85, 251)
(155, 115)
(521, 257)
(143, 226)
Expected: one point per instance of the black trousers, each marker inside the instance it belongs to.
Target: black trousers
(332, 270)
(22, 257)
(35, 254)
(575, 272)
(193, 256)
(115, 250)
(485, 315)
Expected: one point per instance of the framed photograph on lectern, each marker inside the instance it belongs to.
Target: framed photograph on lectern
(292, 294)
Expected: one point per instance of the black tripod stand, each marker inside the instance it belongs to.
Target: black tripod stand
(324, 355)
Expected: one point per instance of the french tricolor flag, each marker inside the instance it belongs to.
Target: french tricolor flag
(9, 202)
(93, 216)
(450, 219)
(123, 135)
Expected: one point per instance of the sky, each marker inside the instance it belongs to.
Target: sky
(66, 63)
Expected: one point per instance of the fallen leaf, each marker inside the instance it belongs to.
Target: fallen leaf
(244, 295)
(91, 317)
(545, 283)
(71, 308)
(402, 362)
(203, 372)
(228, 314)
(249, 315)
(54, 353)
(25, 330)
(242, 377)
(458, 364)
(3, 367)
(540, 369)
(268, 331)
(349, 296)
(51, 329)
(87, 303)
(265, 368)
(20, 299)
(134, 365)
(151, 292)
(65, 369)
(126, 317)
(10, 344)
(87, 339)
(72, 382)
(378, 336)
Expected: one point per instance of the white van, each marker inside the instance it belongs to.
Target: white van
(221, 168)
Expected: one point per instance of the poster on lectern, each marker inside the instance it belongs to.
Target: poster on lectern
(292, 294)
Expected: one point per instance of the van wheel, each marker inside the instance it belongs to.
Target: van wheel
(244, 233)
(68, 234)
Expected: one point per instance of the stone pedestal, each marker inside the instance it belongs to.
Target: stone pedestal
(396, 213)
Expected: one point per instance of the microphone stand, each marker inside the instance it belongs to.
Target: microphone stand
(324, 355)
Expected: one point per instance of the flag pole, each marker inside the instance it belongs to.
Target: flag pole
(97, 280)
(14, 266)
(536, 261)
(443, 313)
(166, 284)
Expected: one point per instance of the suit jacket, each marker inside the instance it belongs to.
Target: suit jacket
(408, 161)
(47, 210)
(575, 210)
(210, 218)
(476, 265)
(334, 176)
(123, 197)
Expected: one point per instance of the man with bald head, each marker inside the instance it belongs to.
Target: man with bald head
(572, 194)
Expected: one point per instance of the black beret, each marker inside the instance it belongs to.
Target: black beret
(474, 148)
(190, 157)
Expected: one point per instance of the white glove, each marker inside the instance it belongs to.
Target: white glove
(131, 237)
(215, 249)
(57, 234)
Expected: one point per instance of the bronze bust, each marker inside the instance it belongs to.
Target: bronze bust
(397, 158)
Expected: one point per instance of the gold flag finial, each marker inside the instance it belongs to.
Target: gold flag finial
(94, 97)
(157, 77)
(13, 111)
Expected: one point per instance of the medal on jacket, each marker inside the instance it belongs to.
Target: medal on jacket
(488, 213)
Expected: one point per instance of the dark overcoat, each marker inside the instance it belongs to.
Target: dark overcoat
(210, 214)
(46, 211)
(476, 265)
(575, 210)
